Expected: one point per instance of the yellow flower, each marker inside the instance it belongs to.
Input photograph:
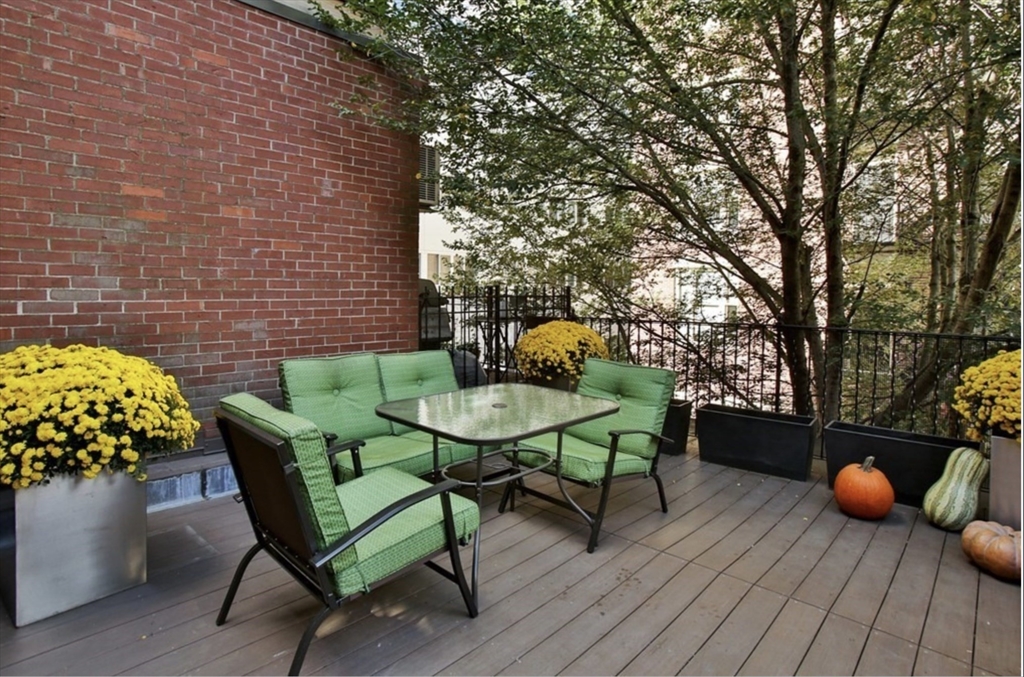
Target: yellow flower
(558, 348)
(989, 397)
(78, 409)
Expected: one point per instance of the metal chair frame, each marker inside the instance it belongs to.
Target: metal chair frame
(283, 528)
(593, 518)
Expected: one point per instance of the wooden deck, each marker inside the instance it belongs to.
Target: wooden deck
(747, 574)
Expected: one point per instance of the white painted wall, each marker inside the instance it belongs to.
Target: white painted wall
(434, 232)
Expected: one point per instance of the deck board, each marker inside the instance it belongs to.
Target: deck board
(836, 648)
(611, 654)
(826, 580)
(864, 592)
(780, 538)
(949, 626)
(736, 638)
(885, 654)
(793, 567)
(783, 646)
(527, 631)
(746, 574)
(575, 637)
(999, 615)
(906, 603)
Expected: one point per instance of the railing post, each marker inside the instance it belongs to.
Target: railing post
(492, 298)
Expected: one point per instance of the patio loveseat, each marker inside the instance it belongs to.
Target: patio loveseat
(340, 394)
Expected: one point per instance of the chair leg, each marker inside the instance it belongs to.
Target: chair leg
(595, 527)
(235, 582)
(460, 579)
(453, 553)
(307, 637)
(661, 492)
(508, 498)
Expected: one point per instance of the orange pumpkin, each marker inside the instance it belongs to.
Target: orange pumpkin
(864, 492)
(993, 547)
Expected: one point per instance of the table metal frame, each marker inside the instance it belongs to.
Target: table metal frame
(497, 415)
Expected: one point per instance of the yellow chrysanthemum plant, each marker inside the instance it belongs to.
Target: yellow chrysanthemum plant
(558, 348)
(989, 397)
(83, 411)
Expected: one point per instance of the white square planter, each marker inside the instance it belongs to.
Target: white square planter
(1004, 486)
(69, 543)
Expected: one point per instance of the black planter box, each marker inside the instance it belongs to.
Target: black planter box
(677, 426)
(912, 462)
(775, 444)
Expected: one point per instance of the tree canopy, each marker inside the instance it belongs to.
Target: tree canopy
(731, 132)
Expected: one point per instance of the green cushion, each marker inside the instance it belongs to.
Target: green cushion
(643, 394)
(581, 460)
(410, 536)
(406, 375)
(338, 394)
(410, 454)
(453, 451)
(309, 454)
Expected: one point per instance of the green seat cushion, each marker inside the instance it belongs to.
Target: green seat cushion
(448, 451)
(407, 375)
(338, 394)
(425, 437)
(581, 460)
(410, 454)
(312, 469)
(643, 394)
(462, 452)
(403, 540)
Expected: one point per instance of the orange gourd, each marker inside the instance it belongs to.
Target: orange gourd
(993, 547)
(864, 492)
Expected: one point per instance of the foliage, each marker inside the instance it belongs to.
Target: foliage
(81, 410)
(558, 348)
(729, 133)
(990, 397)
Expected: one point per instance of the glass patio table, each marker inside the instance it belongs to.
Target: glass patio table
(490, 418)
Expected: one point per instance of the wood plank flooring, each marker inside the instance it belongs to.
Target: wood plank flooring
(746, 575)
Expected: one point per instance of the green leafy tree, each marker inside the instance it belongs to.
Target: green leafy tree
(669, 110)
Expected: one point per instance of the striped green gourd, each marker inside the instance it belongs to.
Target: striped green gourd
(952, 502)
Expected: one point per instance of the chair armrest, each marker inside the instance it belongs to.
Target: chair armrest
(358, 532)
(350, 445)
(620, 433)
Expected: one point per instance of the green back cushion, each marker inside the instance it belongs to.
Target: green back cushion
(643, 394)
(406, 375)
(312, 469)
(338, 394)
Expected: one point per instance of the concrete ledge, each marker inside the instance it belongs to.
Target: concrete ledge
(190, 479)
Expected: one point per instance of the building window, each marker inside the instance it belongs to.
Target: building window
(874, 218)
(702, 294)
(439, 266)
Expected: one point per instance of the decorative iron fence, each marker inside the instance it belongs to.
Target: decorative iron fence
(486, 322)
(901, 380)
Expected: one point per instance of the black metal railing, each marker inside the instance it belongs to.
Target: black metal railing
(487, 321)
(901, 380)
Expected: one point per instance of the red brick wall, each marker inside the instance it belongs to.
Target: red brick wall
(174, 184)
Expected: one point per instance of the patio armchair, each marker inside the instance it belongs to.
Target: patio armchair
(336, 540)
(594, 454)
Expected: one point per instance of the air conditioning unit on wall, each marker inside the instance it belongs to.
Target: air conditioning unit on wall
(429, 169)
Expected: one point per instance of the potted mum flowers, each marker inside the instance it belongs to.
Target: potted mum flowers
(553, 354)
(76, 426)
(989, 399)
